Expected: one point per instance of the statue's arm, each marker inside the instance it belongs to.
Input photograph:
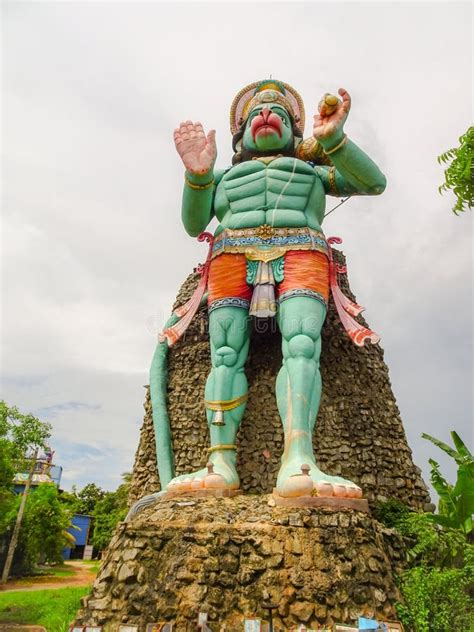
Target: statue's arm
(353, 172)
(198, 153)
(197, 208)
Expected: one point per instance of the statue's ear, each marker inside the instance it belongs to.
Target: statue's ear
(238, 146)
(298, 140)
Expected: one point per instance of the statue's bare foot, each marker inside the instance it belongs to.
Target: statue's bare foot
(219, 474)
(293, 480)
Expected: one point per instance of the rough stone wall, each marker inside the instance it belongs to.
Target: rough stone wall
(220, 555)
(358, 434)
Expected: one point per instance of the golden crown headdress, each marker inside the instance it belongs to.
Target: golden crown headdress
(268, 91)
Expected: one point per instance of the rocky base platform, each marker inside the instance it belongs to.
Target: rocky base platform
(223, 555)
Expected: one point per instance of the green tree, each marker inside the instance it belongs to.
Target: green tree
(456, 505)
(437, 599)
(438, 583)
(45, 525)
(460, 171)
(20, 434)
(87, 498)
(109, 512)
(43, 533)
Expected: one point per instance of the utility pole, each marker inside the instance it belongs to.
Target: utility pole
(19, 518)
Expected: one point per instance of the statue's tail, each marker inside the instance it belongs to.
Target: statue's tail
(161, 422)
(158, 392)
(174, 329)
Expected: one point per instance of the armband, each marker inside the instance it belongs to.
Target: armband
(198, 187)
(332, 181)
(328, 152)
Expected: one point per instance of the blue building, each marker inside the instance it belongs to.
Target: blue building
(80, 528)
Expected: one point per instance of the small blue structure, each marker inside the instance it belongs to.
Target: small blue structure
(80, 532)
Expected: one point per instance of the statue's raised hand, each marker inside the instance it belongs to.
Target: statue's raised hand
(198, 151)
(328, 124)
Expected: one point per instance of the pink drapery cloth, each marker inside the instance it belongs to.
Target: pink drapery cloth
(346, 308)
(187, 311)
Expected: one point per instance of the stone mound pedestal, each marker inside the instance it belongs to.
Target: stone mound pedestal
(223, 555)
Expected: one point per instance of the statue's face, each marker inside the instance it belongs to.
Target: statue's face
(268, 128)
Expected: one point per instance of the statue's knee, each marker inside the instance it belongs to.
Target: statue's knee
(226, 356)
(301, 345)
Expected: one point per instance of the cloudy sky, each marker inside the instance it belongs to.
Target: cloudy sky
(93, 247)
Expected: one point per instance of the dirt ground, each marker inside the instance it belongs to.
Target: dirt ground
(84, 574)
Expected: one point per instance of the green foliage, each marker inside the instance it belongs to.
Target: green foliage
(69, 500)
(428, 545)
(43, 532)
(459, 173)
(25, 432)
(438, 583)
(87, 499)
(45, 524)
(456, 506)
(391, 513)
(439, 577)
(54, 609)
(437, 599)
(109, 512)
(19, 434)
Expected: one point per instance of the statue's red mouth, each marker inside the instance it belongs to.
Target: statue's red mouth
(266, 123)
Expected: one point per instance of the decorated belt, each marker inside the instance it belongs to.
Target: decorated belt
(268, 242)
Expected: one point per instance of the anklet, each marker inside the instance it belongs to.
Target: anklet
(222, 446)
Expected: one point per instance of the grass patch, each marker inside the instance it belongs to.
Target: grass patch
(45, 574)
(54, 609)
(94, 565)
(61, 571)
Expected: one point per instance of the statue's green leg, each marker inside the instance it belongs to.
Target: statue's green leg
(298, 395)
(229, 339)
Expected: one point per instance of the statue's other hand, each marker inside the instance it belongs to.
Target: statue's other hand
(198, 151)
(332, 116)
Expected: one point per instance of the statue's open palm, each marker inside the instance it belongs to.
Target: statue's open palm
(198, 151)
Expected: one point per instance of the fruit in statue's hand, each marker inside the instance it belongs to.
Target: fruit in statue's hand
(328, 104)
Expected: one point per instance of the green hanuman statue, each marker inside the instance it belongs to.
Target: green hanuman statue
(268, 258)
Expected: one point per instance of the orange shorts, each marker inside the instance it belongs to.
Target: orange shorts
(306, 273)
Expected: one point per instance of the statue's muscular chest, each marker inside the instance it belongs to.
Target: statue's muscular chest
(286, 192)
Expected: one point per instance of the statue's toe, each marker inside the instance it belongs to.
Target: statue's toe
(339, 490)
(324, 488)
(214, 481)
(347, 490)
(296, 486)
(174, 487)
(354, 492)
(196, 484)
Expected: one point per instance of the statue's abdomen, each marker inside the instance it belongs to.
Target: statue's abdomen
(285, 193)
